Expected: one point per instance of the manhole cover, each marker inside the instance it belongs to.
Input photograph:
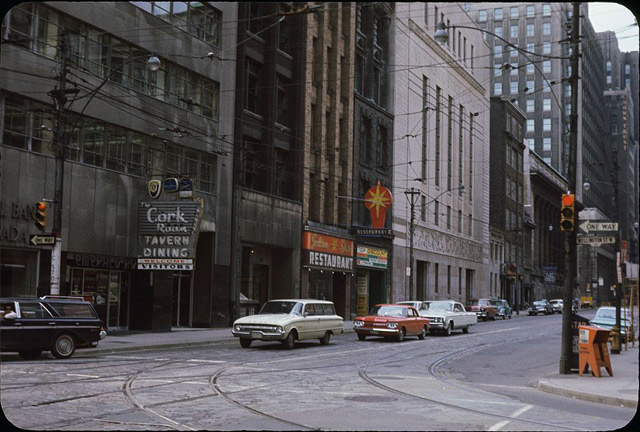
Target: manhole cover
(370, 399)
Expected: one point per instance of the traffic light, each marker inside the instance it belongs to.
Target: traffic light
(567, 213)
(41, 215)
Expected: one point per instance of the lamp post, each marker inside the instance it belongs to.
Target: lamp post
(412, 195)
(59, 96)
(442, 36)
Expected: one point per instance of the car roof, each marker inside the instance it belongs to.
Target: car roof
(302, 301)
(393, 304)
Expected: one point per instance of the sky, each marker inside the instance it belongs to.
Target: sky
(617, 18)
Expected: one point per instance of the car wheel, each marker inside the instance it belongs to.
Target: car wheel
(30, 354)
(290, 341)
(401, 335)
(361, 337)
(63, 347)
(245, 343)
(465, 329)
(324, 340)
(447, 329)
(422, 335)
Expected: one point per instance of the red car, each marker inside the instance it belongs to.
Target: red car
(391, 321)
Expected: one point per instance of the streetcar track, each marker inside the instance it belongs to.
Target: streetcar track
(432, 370)
(214, 384)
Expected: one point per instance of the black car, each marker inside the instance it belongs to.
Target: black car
(30, 326)
(540, 306)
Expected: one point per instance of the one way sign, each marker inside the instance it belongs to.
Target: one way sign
(39, 240)
(590, 226)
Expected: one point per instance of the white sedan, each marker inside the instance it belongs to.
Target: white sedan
(449, 315)
(288, 321)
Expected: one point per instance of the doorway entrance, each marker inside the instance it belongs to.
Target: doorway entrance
(181, 304)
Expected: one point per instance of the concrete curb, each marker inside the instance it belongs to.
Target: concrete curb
(546, 386)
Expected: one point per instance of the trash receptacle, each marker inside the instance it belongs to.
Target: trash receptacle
(593, 350)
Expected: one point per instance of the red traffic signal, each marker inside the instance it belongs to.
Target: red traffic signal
(41, 215)
(567, 213)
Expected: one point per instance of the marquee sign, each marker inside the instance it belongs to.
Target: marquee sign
(167, 235)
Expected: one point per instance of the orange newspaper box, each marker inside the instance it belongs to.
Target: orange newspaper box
(593, 350)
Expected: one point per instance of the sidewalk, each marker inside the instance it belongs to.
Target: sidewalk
(621, 389)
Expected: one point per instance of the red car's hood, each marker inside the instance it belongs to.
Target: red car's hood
(375, 318)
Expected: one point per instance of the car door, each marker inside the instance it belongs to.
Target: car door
(10, 330)
(328, 320)
(310, 323)
(38, 326)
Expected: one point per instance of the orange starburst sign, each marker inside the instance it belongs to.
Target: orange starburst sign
(378, 200)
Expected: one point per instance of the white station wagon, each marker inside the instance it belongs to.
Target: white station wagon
(288, 321)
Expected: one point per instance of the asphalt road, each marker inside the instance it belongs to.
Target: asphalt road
(484, 380)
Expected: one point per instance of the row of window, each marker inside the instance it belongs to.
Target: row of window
(514, 12)
(37, 28)
(199, 19)
(27, 126)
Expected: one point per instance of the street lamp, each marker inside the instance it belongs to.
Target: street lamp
(412, 195)
(59, 97)
(441, 36)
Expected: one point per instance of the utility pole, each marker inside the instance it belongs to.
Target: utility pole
(59, 100)
(412, 195)
(615, 330)
(570, 236)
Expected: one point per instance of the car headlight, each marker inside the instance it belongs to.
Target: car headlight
(236, 328)
(358, 323)
(392, 325)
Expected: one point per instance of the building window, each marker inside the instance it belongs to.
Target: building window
(546, 104)
(498, 29)
(282, 103)
(497, 14)
(514, 12)
(513, 87)
(513, 31)
(497, 88)
(546, 9)
(497, 51)
(531, 105)
(546, 144)
(546, 28)
(546, 125)
(530, 30)
(546, 66)
(252, 71)
(531, 125)
(482, 15)
(531, 11)
(546, 48)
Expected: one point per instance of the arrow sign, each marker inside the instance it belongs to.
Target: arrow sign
(595, 240)
(588, 226)
(39, 240)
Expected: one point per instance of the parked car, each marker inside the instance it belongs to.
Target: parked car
(447, 315)
(483, 308)
(31, 325)
(606, 318)
(391, 321)
(504, 310)
(540, 306)
(556, 305)
(288, 321)
(421, 306)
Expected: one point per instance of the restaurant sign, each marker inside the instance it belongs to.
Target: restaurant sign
(327, 252)
(167, 234)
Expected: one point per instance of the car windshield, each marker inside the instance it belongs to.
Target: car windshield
(610, 314)
(280, 307)
(441, 306)
(393, 311)
(538, 303)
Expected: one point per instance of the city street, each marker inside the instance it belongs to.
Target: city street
(484, 380)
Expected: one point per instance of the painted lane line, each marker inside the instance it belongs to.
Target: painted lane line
(503, 423)
(83, 376)
(206, 361)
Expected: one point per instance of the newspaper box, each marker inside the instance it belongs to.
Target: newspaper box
(593, 349)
